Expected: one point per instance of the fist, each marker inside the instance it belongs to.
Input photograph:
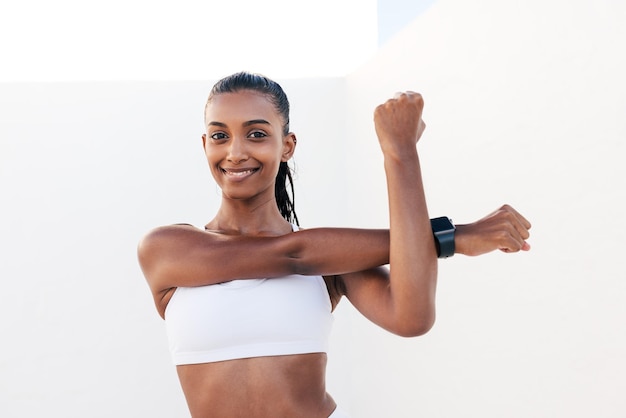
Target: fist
(505, 230)
(399, 123)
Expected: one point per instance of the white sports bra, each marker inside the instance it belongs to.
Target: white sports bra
(249, 318)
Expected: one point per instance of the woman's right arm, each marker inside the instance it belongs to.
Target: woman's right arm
(182, 255)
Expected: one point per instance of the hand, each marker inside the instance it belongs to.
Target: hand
(399, 123)
(505, 230)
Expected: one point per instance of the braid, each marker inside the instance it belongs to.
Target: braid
(286, 205)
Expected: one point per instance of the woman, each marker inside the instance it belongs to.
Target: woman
(248, 299)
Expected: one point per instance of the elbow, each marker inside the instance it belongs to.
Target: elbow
(296, 257)
(415, 316)
(416, 327)
(416, 320)
(296, 264)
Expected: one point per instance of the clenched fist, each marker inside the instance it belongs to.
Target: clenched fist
(505, 230)
(399, 123)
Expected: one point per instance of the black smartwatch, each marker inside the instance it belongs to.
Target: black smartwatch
(443, 231)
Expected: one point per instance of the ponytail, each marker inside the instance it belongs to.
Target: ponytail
(286, 204)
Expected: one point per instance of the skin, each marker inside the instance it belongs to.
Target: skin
(244, 145)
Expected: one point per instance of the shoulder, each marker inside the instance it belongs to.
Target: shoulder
(163, 239)
(161, 233)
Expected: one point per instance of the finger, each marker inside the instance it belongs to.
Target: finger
(420, 128)
(524, 247)
(512, 241)
(521, 227)
(518, 215)
(515, 219)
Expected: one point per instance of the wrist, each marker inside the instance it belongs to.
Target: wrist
(397, 154)
(461, 244)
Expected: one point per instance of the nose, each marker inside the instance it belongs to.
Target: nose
(237, 151)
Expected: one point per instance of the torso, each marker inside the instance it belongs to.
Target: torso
(277, 386)
(280, 386)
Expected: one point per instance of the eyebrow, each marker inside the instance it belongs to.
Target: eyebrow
(245, 124)
(256, 122)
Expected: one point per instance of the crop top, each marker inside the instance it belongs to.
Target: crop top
(249, 318)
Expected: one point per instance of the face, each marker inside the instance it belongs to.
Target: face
(244, 144)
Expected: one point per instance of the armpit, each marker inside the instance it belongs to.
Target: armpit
(336, 289)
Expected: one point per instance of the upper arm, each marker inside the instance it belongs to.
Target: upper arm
(181, 255)
(368, 292)
(371, 293)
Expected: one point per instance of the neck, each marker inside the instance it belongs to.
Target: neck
(239, 218)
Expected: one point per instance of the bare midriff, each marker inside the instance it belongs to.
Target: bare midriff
(277, 386)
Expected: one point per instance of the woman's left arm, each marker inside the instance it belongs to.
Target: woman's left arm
(401, 299)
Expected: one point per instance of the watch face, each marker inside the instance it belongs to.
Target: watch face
(440, 225)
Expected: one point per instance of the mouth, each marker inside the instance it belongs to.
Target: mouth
(239, 173)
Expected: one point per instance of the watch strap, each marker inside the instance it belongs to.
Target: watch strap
(443, 233)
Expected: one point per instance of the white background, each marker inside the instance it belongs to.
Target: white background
(76, 40)
(524, 105)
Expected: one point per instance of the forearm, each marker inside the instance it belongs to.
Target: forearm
(413, 258)
(401, 299)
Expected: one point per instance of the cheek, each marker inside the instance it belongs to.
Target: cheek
(213, 163)
(211, 155)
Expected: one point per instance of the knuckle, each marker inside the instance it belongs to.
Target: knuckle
(503, 236)
(508, 216)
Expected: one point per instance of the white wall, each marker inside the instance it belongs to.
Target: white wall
(523, 105)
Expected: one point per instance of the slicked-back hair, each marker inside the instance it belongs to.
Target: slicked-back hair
(274, 92)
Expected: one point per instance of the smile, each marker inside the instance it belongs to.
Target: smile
(239, 173)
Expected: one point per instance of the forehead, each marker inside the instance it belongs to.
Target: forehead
(241, 106)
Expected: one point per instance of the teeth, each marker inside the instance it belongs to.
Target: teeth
(239, 173)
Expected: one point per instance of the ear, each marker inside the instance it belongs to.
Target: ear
(289, 146)
(203, 141)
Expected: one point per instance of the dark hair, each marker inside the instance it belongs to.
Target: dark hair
(274, 92)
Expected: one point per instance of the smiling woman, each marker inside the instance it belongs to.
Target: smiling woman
(271, 125)
(248, 299)
(239, 126)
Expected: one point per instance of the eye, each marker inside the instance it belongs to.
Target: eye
(218, 136)
(257, 134)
